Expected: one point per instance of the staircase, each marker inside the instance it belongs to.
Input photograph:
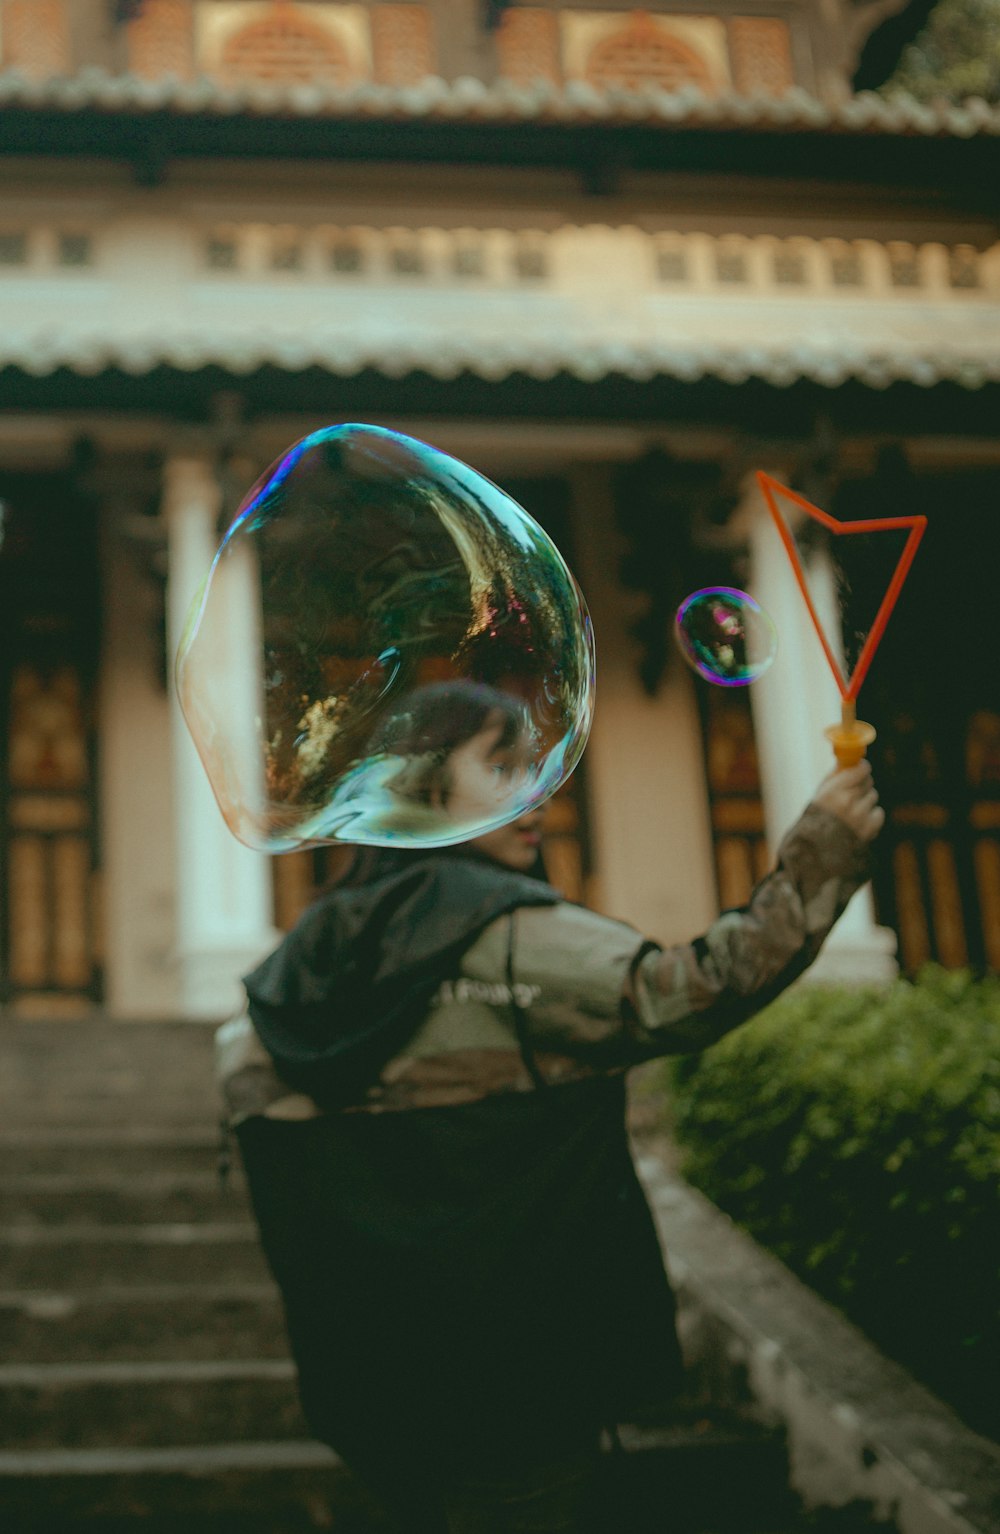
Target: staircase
(145, 1383)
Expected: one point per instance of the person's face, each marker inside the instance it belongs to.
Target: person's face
(484, 777)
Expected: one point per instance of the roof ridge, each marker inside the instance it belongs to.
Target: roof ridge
(468, 98)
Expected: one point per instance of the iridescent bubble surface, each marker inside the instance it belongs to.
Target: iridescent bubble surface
(387, 650)
(725, 635)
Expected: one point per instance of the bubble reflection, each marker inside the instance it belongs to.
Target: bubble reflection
(387, 650)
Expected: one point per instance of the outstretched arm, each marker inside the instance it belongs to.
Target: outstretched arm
(682, 999)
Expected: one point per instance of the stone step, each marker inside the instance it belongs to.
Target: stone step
(73, 1111)
(98, 1072)
(89, 1256)
(146, 1405)
(142, 1322)
(263, 1487)
(689, 1479)
(103, 1153)
(52, 1198)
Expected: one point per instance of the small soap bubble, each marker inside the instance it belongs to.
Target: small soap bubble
(725, 635)
(387, 650)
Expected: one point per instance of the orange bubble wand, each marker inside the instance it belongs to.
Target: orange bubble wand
(852, 736)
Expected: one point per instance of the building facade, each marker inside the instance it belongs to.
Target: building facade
(617, 260)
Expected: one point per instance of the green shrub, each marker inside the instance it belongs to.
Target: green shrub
(857, 1134)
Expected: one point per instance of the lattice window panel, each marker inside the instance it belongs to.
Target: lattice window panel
(761, 55)
(645, 53)
(963, 267)
(845, 266)
(13, 247)
(222, 253)
(47, 742)
(36, 38)
(406, 255)
(671, 261)
(74, 248)
(531, 262)
(468, 258)
(789, 266)
(48, 846)
(731, 261)
(347, 255)
(402, 44)
(528, 47)
(287, 254)
(286, 47)
(904, 265)
(159, 40)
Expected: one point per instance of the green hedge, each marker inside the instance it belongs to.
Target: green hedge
(857, 1134)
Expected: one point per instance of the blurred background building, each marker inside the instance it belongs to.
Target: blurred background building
(617, 259)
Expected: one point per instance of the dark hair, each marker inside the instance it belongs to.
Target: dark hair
(439, 718)
(434, 722)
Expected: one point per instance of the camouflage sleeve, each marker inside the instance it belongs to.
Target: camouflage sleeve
(680, 1000)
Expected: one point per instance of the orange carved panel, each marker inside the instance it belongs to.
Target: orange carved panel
(159, 40)
(286, 46)
(72, 960)
(761, 52)
(401, 44)
(734, 869)
(946, 905)
(28, 896)
(46, 745)
(911, 917)
(643, 52)
(987, 865)
(528, 47)
(36, 38)
(982, 749)
(732, 753)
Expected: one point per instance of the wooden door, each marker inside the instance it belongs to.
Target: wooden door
(49, 947)
(739, 839)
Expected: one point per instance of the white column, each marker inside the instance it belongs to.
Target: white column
(792, 704)
(223, 889)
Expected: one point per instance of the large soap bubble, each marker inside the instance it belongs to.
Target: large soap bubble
(387, 650)
(725, 635)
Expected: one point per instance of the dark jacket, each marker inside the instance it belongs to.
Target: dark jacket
(464, 1249)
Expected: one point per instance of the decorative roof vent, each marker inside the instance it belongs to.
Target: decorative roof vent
(284, 44)
(637, 50)
(647, 52)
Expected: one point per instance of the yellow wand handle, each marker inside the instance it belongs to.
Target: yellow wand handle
(851, 737)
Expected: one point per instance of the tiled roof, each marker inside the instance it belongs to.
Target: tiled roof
(469, 100)
(780, 364)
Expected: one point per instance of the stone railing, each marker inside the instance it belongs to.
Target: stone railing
(660, 259)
